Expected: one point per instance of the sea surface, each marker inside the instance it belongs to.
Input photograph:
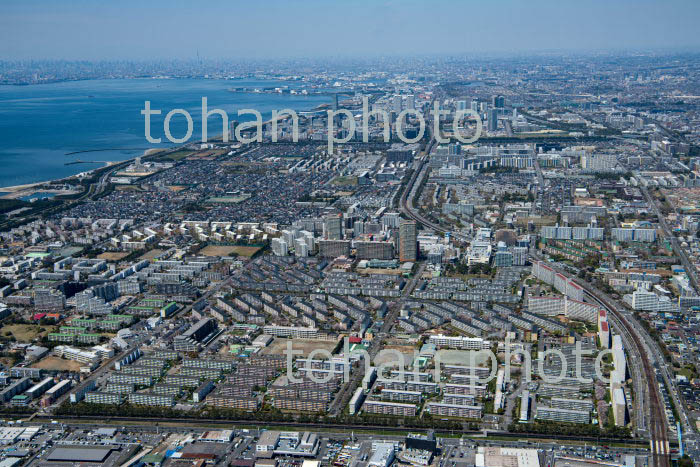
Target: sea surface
(40, 124)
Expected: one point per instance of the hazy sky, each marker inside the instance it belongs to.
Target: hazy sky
(150, 29)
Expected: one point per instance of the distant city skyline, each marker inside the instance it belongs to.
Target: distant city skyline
(84, 30)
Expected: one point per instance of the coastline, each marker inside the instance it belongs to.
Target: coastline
(26, 186)
(15, 191)
(21, 173)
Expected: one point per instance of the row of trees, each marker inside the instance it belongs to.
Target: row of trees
(272, 415)
(570, 429)
(462, 268)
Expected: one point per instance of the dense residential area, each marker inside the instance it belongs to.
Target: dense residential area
(431, 260)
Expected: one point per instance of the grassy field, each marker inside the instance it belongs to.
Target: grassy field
(210, 154)
(26, 332)
(229, 199)
(347, 180)
(176, 156)
(538, 221)
(687, 372)
(57, 364)
(151, 254)
(127, 188)
(366, 271)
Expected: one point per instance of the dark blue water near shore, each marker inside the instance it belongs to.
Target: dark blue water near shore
(39, 124)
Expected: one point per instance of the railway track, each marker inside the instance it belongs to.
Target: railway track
(659, 443)
(153, 421)
(407, 197)
(658, 431)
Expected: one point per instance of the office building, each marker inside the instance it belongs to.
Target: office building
(383, 455)
(524, 406)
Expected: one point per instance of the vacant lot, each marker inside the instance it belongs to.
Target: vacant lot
(388, 355)
(216, 250)
(279, 346)
(26, 332)
(229, 199)
(248, 251)
(57, 364)
(345, 180)
(462, 357)
(127, 188)
(208, 153)
(228, 250)
(113, 255)
(538, 221)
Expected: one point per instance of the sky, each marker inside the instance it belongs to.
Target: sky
(229, 29)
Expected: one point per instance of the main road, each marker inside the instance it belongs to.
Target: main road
(349, 388)
(409, 194)
(677, 250)
(691, 271)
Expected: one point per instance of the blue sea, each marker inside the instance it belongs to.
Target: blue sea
(40, 124)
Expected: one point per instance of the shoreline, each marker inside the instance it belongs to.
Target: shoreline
(126, 78)
(26, 186)
(69, 176)
(13, 191)
(17, 189)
